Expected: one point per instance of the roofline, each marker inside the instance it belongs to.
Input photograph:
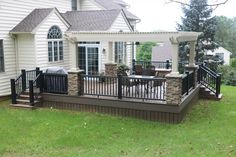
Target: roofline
(54, 10)
(125, 18)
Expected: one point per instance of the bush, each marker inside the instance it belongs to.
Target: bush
(122, 69)
(233, 62)
(228, 76)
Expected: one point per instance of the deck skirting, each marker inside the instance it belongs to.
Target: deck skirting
(159, 111)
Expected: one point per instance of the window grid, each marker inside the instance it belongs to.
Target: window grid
(120, 52)
(55, 44)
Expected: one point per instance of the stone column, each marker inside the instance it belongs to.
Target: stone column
(175, 56)
(75, 82)
(173, 89)
(195, 71)
(111, 69)
(192, 53)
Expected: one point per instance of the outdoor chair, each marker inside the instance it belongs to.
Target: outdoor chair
(149, 71)
(126, 82)
(138, 69)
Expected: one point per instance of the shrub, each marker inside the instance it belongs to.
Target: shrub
(122, 69)
(233, 62)
(228, 75)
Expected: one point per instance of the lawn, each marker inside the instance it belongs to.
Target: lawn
(208, 130)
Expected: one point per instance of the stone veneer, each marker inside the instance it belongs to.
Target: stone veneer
(74, 82)
(174, 89)
(111, 69)
(195, 70)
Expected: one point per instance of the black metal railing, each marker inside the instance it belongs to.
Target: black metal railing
(124, 87)
(16, 88)
(210, 79)
(30, 75)
(35, 88)
(187, 83)
(158, 64)
(99, 85)
(55, 83)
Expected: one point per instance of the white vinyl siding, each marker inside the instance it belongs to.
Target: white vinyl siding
(26, 52)
(11, 13)
(41, 44)
(89, 5)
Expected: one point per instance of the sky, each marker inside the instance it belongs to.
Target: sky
(157, 15)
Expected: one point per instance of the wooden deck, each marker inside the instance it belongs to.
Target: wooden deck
(154, 111)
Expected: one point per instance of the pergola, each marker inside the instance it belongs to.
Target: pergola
(174, 37)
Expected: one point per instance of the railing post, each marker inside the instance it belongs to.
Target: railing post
(13, 91)
(23, 73)
(41, 82)
(133, 66)
(31, 92)
(218, 84)
(167, 64)
(120, 86)
(37, 73)
(187, 83)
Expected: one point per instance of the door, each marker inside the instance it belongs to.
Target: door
(88, 59)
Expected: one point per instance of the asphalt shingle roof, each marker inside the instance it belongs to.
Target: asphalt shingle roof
(110, 4)
(91, 20)
(29, 23)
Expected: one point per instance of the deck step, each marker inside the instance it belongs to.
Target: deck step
(23, 106)
(26, 101)
(27, 96)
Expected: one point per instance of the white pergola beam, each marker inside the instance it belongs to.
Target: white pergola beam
(133, 36)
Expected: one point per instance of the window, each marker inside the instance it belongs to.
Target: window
(74, 5)
(55, 44)
(120, 52)
(2, 69)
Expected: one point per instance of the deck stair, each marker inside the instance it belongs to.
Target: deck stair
(210, 83)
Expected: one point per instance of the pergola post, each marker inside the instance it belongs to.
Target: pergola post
(110, 52)
(192, 53)
(73, 56)
(192, 66)
(175, 56)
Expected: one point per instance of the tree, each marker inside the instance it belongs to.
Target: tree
(197, 18)
(144, 51)
(226, 33)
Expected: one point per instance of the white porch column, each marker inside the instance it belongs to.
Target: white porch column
(175, 56)
(192, 53)
(73, 56)
(110, 52)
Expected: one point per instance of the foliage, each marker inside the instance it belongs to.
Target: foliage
(208, 130)
(233, 62)
(144, 51)
(228, 75)
(197, 18)
(226, 33)
(122, 69)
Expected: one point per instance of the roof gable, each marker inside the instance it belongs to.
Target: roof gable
(31, 22)
(99, 20)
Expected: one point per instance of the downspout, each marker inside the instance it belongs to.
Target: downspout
(16, 53)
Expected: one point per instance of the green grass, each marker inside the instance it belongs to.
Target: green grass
(208, 130)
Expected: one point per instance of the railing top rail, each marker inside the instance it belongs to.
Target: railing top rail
(98, 76)
(215, 75)
(150, 79)
(18, 78)
(209, 70)
(52, 74)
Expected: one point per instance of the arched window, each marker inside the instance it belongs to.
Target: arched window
(55, 44)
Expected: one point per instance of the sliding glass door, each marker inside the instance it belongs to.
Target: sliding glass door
(88, 58)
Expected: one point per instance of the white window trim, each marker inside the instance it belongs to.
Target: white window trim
(58, 50)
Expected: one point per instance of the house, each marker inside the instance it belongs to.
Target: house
(34, 34)
(162, 52)
(222, 53)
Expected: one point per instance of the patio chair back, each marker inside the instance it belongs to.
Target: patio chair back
(138, 69)
(150, 71)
